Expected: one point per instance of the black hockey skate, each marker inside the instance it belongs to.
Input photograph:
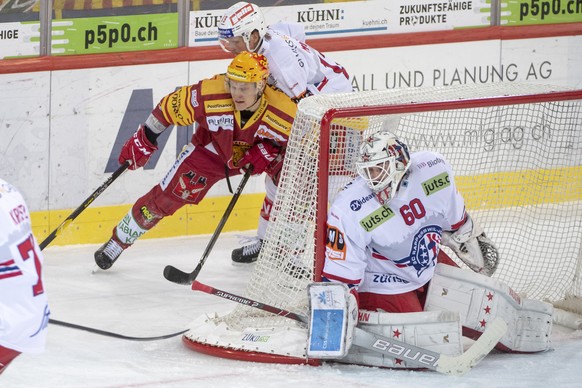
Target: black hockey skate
(108, 254)
(247, 254)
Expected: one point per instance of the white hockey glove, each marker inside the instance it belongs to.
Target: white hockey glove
(334, 315)
(473, 247)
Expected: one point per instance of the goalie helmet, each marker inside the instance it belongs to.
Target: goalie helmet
(241, 20)
(382, 162)
(248, 67)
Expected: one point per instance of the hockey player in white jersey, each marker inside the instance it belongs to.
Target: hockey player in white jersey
(296, 68)
(24, 311)
(385, 227)
(384, 232)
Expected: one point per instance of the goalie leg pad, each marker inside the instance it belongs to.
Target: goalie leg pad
(479, 299)
(439, 331)
(334, 314)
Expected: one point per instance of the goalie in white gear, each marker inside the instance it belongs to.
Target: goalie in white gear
(385, 227)
(384, 231)
(294, 67)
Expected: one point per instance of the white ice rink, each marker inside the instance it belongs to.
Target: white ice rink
(134, 299)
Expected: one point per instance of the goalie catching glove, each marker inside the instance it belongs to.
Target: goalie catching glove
(138, 149)
(473, 247)
(260, 156)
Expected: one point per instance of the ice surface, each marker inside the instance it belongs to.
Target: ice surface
(134, 299)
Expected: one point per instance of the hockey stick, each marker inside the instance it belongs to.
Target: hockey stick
(414, 355)
(83, 206)
(114, 335)
(175, 275)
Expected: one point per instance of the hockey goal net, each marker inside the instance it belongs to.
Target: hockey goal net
(517, 154)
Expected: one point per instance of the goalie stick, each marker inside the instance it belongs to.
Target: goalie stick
(84, 205)
(414, 355)
(175, 275)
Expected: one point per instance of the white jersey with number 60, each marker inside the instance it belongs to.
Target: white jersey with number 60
(392, 249)
(24, 311)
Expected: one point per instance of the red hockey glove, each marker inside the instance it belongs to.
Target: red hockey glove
(274, 169)
(260, 156)
(137, 149)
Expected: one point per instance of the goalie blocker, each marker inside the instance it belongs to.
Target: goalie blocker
(334, 315)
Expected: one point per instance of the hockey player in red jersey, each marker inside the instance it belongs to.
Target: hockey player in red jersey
(24, 310)
(295, 68)
(241, 122)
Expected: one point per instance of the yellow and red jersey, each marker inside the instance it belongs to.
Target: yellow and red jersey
(219, 126)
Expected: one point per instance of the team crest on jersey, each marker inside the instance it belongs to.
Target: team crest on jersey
(425, 248)
(189, 186)
(238, 150)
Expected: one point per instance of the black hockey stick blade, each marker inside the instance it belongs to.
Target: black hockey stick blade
(83, 206)
(424, 358)
(175, 275)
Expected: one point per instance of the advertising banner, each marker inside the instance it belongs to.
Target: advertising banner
(19, 39)
(355, 18)
(462, 64)
(92, 35)
(115, 34)
(524, 12)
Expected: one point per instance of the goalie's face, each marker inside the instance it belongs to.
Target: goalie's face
(378, 174)
(382, 163)
(379, 177)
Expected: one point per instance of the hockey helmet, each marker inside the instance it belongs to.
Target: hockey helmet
(241, 19)
(248, 67)
(382, 162)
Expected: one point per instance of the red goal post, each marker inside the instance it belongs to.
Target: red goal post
(334, 113)
(516, 150)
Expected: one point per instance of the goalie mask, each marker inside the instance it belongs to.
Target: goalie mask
(383, 162)
(241, 20)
